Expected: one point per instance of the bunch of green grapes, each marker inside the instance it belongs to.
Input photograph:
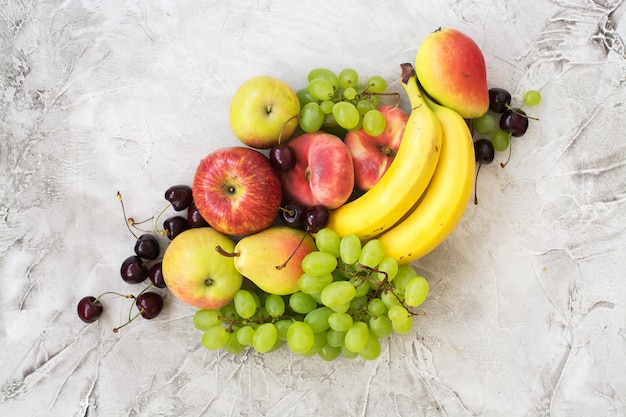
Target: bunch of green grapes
(350, 296)
(331, 100)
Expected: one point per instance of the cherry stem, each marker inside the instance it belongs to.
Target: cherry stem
(508, 106)
(222, 252)
(158, 216)
(284, 264)
(117, 329)
(503, 164)
(290, 212)
(126, 219)
(112, 292)
(475, 184)
(280, 134)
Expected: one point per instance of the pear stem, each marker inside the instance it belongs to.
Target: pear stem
(222, 252)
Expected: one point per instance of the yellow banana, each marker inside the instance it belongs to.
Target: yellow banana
(442, 206)
(406, 178)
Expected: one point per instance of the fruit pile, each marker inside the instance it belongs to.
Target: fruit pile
(305, 234)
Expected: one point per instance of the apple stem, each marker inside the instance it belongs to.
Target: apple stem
(284, 264)
(222, 252)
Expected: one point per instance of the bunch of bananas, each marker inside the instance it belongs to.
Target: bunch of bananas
(423, 195)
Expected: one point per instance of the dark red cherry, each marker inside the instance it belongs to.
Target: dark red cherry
(149, 304)
(194, 218)
(89, 309)
(174, 226)
(282, 157)
(514, 121)
(133, 270)
(147, 247)
(179, 196)
(315, 218)
(291, 215)
(499, 100)
(155, 273)
(484, 151)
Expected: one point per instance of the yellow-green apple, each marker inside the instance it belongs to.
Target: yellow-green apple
(372, 155)
(323, 173)
(451, 68)
(272, 258)
(196, 273)
(236, 190)
(264, 111)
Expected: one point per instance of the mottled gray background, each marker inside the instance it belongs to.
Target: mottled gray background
(526, 315)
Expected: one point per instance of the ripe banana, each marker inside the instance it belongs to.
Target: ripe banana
(406, 178)
(441, 208)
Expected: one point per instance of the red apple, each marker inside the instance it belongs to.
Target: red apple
(237, 191)
(323, 174)
(372, 155)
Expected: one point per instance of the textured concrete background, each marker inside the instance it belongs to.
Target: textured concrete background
(527, 310)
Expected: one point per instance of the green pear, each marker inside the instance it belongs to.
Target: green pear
(451, 68)
(272, 258)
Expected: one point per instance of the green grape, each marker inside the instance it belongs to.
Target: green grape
(390, 298)
(376, 307)
(327, 240)
(532, 98)
(398, 314)
(327, 106)
(358, 303)
(233, 346)
(329, 353)
(364, 106)
(340, 322)
(349, 93)
(301, 302)
(244, 335)
(372, 253)
(310, 284)
(317, 319)
(264, 338)
(350, 248)
(204, 319)
(403, 276)
(321, 89)
(317, 296)
(229, 312)
(500, 140)
(300, 337)
(374, 122)
(485, 124)
(335, 338)
(319, 263)
(346, 115)
(282, 326)
(338, 293)
(319, 341)
(390, 267)
(329, 120)
(362, 287)
(304, 97)
(325, 74)
(357, 336)
(380, 326)
(245, 304)
(261, 315)
(376, 84)
(215, 338)
(348, 77)
(402, 327)
(416, 291)
(341, 308)
(371, 350)
(275, 305)
(311, 117)
(347, 353)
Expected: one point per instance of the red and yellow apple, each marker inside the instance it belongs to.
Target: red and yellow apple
(323, 173)
(196, 273)
(264, 111)
(451, 68)
(236, 190)
(372, 155)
